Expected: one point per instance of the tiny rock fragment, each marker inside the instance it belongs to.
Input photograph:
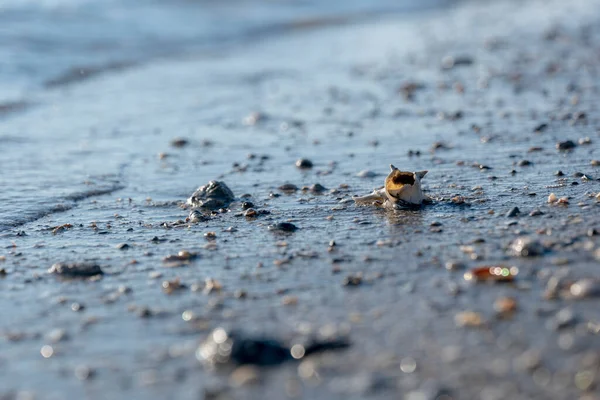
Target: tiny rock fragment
(524, 163)
(246, 205)
(250, 213)
(176, 260)
(352, 280)
(540, 128)
(513, 212)
(454, 265)
(244, 375)
(505, 305)
(235, 348)
(61, 228)
(366, 174)
(123, 246)
(210, 235)
(492, 273)
(304, 163)
(289, 300)
(595, 163)
(171, 286)
(552, 198)
(469, 319)
(585, 288)
(566, 145)
(526, 247)
(179, 142)
(212, 285)
(76, 270)
(196, 217)
(317, 188)
(288, 187)
(286, 227)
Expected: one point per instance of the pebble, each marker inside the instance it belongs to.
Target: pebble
(366, 174)
(250, 213)
(540, 128)
(196, 217)
(247, 205)
(524, 163)
(352, 280)
(585, 288)
(283, 227)
(179, 142)
(595, 163)
(526, 247)
(536, 213)
(222, 347)
(505, 305)
(288, 187)
(244, 375)
(304, 163)
(76, 270)
(468, 319)
(123, 246)
(566, 145)
(317, 188)
(513, 212)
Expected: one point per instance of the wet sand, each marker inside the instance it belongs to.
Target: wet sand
(483, 97)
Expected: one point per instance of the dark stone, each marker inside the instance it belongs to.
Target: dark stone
(283, 227)
(513, 212)
(247, 204)
(566, 145)
(213, 196)
(75, 270)
(304, 163)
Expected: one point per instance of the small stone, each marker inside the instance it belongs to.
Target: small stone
(317, 188)
(585, 141)
(454, 265)
(250, 213)
(540, 128)
(513, 212)
(524, 163)
(179, 142)
(505, 305)
(565, 318)
(352, 280)
(247, 205)
(123, 246)
(552, 198)
(468, 319)
(288, 187)
(366, 174)
(585, 288)
(213, 195)
(283, 227)
(595, 163)
(304, 163)
(566, 145)
(196, 217)
(210, 235)
(526, 247)
(559, 173)
(244, 375)
(536, 213)
(76, 270)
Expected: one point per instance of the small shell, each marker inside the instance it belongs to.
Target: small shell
(401, 189)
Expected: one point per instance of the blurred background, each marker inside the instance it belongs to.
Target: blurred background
(49, 43)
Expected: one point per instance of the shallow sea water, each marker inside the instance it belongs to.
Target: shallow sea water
(330, 95)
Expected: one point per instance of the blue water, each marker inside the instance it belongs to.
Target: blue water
(46, 42)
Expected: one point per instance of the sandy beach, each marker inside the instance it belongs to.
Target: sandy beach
(491, 291)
